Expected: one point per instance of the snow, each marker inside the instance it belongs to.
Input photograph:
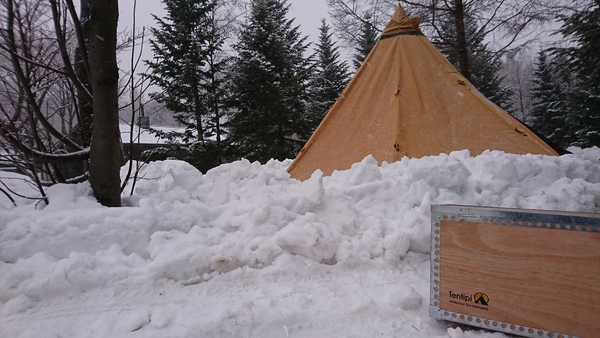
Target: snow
(245, 251)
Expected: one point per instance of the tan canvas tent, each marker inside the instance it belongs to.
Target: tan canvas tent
(408, 100)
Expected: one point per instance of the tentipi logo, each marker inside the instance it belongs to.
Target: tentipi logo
(481, 298)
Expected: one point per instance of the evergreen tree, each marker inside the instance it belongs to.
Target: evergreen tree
(583, 28)
(190, 67)
(214, 85)
(366, 41)
(181, 49)
(486, 76)
(270, 81)
(484, 65)
(550, 111)
(329, 79)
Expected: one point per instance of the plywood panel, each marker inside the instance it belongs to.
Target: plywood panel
(539, 277)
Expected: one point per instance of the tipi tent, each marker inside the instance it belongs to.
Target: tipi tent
(408, 100)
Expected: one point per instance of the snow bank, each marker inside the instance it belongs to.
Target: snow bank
(245, 219)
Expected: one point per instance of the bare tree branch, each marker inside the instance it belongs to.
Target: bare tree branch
(80, 37)
(63, 52)
(26, 85)
(42, 156)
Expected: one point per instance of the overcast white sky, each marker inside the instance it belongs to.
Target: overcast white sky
(307, 14)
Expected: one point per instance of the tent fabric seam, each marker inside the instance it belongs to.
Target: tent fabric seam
(400, 33)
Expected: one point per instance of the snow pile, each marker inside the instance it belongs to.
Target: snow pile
(246, 251)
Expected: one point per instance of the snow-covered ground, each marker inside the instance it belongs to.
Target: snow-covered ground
(245, 251)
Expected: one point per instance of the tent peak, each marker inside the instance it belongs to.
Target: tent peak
(401, 22)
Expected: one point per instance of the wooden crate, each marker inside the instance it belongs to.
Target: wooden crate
(525, 272)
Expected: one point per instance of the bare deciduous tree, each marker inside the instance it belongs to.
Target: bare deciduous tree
(105, 161)
(47, 92)
(510, 24)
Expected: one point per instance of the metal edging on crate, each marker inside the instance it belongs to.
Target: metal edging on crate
(542, 219)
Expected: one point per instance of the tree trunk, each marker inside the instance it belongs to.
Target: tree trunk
(85, 107)
(104, 74)
(215, 106)
(197, 109)
(461, 40)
